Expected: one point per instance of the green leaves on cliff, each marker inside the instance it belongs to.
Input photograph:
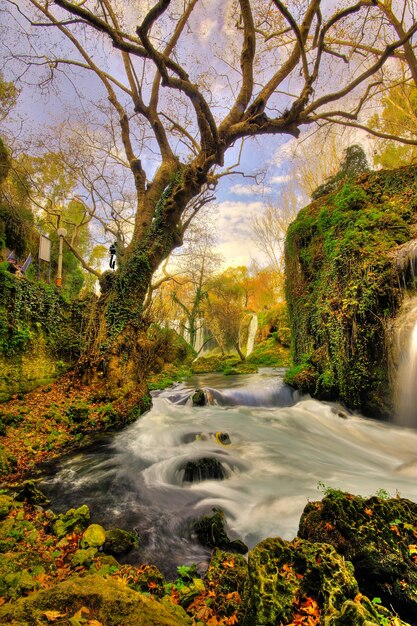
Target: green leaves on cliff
(341, 285)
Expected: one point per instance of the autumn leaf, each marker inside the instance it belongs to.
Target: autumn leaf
(229, 564)
(328, 526)
(413, 548)
(94, 622)
(152, 584)
(77, 619)
(369, 512)
(232, 620)
(51, 616)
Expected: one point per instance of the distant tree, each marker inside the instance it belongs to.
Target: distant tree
(354, 163)
(228, 295)
(399, 114)
(270, 226)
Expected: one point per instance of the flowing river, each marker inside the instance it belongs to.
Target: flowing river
(282, 448)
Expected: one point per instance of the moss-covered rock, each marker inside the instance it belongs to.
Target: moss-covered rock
(342, 286)
(74, 520)
(292, 581)
(93, 537)
(211, 532)
(378, 536)
(106, 601)
(119, 542)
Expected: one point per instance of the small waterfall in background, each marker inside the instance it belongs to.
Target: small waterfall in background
(199, 336)
(406, 361)
(253, 327)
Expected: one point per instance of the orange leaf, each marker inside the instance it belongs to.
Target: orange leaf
(328, 526)
(369, 512)
(152, 584)
(232, 619)
(230, 563)
(51, 616)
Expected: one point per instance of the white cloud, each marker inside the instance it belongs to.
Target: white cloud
(250, 190)
(235, 240)
(281, 179)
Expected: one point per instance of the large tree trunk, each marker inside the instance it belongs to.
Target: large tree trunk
(118, 347)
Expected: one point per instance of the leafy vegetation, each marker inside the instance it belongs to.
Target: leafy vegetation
(342, 286)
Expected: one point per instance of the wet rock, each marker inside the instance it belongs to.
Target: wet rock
(29, 492)
(228, 575)
(378, 536)
(199, 398)
(291, 581)
(74, 520)
(93, 537)
(206, 468)
(119, 542)
(106, 601)
(211, 532)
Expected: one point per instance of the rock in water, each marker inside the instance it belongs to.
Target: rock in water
(206, 468)
(120, 542)
(199, 398)
(211, 532)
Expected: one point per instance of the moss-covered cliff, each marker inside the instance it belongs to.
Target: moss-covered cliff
(343, 286)
(40, 334)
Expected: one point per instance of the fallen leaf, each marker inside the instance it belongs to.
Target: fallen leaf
(51, 616)
(369, 511)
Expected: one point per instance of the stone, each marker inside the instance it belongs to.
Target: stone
(106, 600)
(377, 535)
(205, 468)
(29, 492)
(93, 537)
(74, 520)
(211, 532)
(120, 542)
(199, 398)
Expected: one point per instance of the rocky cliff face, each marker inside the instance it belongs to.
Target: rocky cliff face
(345, 282)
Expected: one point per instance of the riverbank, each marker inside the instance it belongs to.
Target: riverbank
(61, 569)
(54, 419)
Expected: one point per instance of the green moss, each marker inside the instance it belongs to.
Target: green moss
(107, 601)
(74, 520)
(377, 535)
(342, 286)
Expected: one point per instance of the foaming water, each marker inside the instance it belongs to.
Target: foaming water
(276, 458)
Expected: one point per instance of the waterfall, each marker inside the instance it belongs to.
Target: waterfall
(199, 335)
(253, 327)
(406, 379)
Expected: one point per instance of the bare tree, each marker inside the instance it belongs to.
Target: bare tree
(183, 98)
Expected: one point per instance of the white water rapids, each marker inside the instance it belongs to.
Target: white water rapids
(277, 457)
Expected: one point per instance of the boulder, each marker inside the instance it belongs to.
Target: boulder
(378, 536)
(93, 537)
(205, 468)
(92, 598)
(211, 532)
(199, 398)
(119, 542)
(74, 520)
